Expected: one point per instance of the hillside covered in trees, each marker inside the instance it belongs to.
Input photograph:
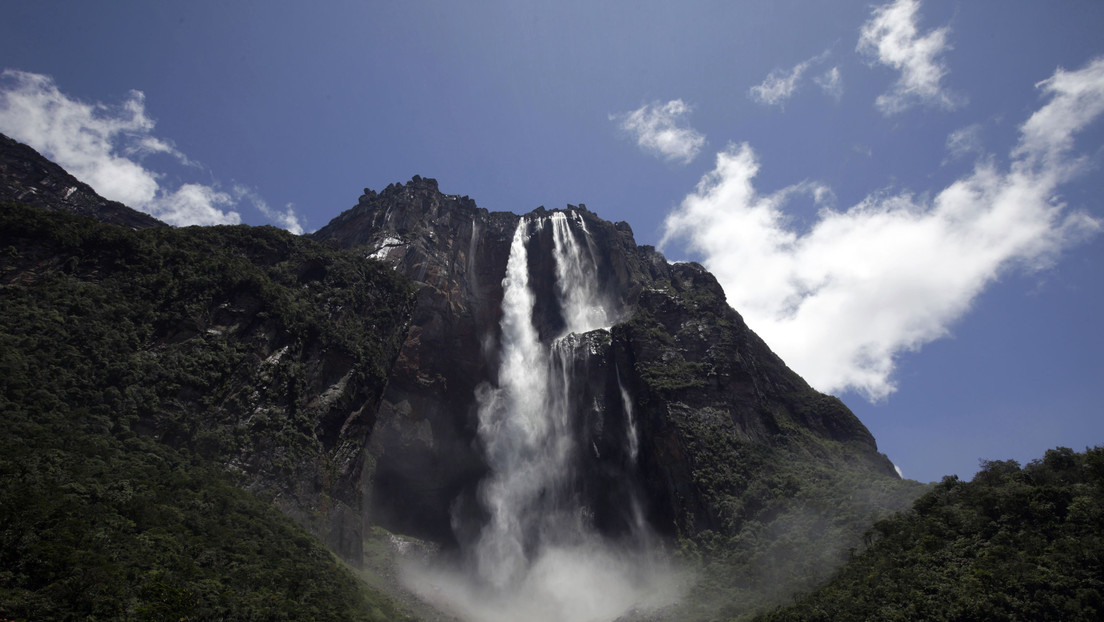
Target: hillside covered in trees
(1012, 544)
(140, 455)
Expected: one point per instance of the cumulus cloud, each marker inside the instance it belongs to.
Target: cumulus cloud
(104, 146)
(891, 38)
(781, 85)
(661, 129)
(841, 301)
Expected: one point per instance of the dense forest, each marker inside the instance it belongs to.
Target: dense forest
(116, 502)
(1012, 544)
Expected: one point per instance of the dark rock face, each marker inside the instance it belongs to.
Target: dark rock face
(681, 356)
(698, 368)
(27, 177)
(423, 447)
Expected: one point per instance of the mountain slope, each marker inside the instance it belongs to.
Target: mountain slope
(1012, 544)
(148, 379)
(28, 178)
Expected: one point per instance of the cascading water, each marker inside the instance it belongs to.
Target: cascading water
(537, 557)
(524, 422)
(631, 439)
(576, 281)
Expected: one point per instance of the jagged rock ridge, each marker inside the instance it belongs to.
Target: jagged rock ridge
(27, 177)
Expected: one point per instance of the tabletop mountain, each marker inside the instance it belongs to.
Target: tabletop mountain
(667, 413)
(502, 385)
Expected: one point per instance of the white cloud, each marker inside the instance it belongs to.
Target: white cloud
(103, 146)
(193, 204)
(842, 301)
(890, 36)
(831, 82)
(1078, 95)
(781, 85)
(965, 141)
(661, 129)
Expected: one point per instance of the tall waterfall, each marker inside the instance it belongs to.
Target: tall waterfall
(524, 421)
(537, 557)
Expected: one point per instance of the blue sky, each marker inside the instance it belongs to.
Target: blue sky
(902, 198)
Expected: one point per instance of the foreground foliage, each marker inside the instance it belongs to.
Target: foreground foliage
(1012, 544)
(115, 502)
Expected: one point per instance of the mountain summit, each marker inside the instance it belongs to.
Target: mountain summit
(546, 402)
(559, 379)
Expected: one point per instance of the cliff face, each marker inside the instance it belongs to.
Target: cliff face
(422, 445)
(670, 384)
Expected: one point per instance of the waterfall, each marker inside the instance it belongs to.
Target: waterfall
(516, 428)
(472, 275)
(525, 420)
(631, 438)
(537, 556)
(576, 281)
(632, 441)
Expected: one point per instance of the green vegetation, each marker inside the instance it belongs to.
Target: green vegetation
(675, 375)
(1012, 544)
(124, 357)
(786, 521)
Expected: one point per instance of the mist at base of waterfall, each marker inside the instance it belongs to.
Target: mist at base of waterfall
(592, 581)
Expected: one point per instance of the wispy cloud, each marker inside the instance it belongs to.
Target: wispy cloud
(891, 38)
(964, 142)
(831, 82)
(105, 146)
(286, 219)
(662, 130)
(780, 85)
(843, 300)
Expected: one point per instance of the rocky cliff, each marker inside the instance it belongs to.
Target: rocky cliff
(703, 388)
